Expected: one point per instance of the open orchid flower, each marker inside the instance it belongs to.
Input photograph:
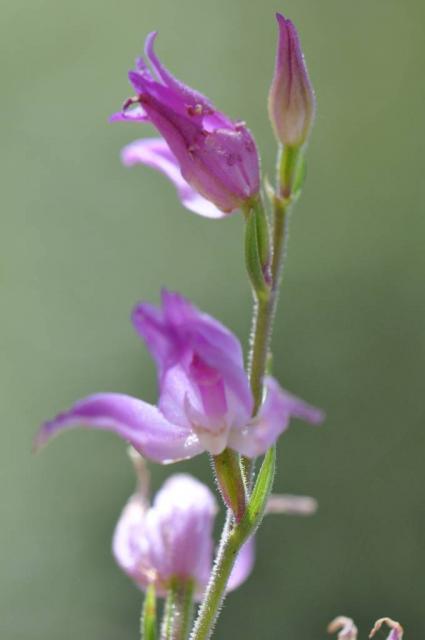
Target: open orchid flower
(205, 402)
(212, 160)
(173, 538)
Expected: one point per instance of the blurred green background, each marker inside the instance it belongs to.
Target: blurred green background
(82, 239)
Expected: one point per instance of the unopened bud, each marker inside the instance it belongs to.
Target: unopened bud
(291, 99)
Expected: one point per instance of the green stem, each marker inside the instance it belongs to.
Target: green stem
(216, 589)
(234, 536)
(148, 620)
(263, 317)
(183, 621)
(232, 539)
(178, 610)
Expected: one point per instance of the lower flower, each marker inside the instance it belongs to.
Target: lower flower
(172, 540)
(205, 402)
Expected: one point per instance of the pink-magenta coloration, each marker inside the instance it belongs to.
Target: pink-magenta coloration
(205, 402)
(155, 153)
(217, 157)
(345, 628)
(292, 102)
(173, 538)
(396, 630)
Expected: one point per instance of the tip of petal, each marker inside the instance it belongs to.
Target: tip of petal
(345, 626)
(316, 416)
(116, 117)
(43, 435)
(149, 43)
(396, 628)
(37, 443)
(284, 22)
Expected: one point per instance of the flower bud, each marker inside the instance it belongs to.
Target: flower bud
(291, 98)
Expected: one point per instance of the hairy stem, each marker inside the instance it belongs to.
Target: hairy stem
(178, 611)
(148, 619)
(234, 536)
(216, 589)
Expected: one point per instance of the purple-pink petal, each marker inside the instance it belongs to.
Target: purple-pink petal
(179, 332)
(243, 565)
(345, 628)
(190, 97)
(172, 538)
(133, 420)
(155, 153)
(216, 156)
(396, 630)
(273, 418)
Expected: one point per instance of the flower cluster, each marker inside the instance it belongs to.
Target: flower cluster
(208, 399)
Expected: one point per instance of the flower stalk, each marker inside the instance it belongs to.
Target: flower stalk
(148, 619)
(265, 302)
(178, 610)
(233, 538)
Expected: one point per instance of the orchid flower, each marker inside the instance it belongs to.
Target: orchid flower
(173, 538)
(212, 161)
(205, 401)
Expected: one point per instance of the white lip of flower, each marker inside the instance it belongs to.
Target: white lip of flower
(214, 435)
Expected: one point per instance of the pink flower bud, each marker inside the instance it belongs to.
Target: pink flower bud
(291, 98)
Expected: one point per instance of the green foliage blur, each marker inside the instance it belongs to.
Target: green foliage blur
(82, 239)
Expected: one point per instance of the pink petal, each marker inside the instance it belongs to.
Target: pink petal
(243, 565)
(131, 419)
(155, 153)
(178, 330)
(345, 628)
(278, 407)
(171, 538)
(396, 630)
